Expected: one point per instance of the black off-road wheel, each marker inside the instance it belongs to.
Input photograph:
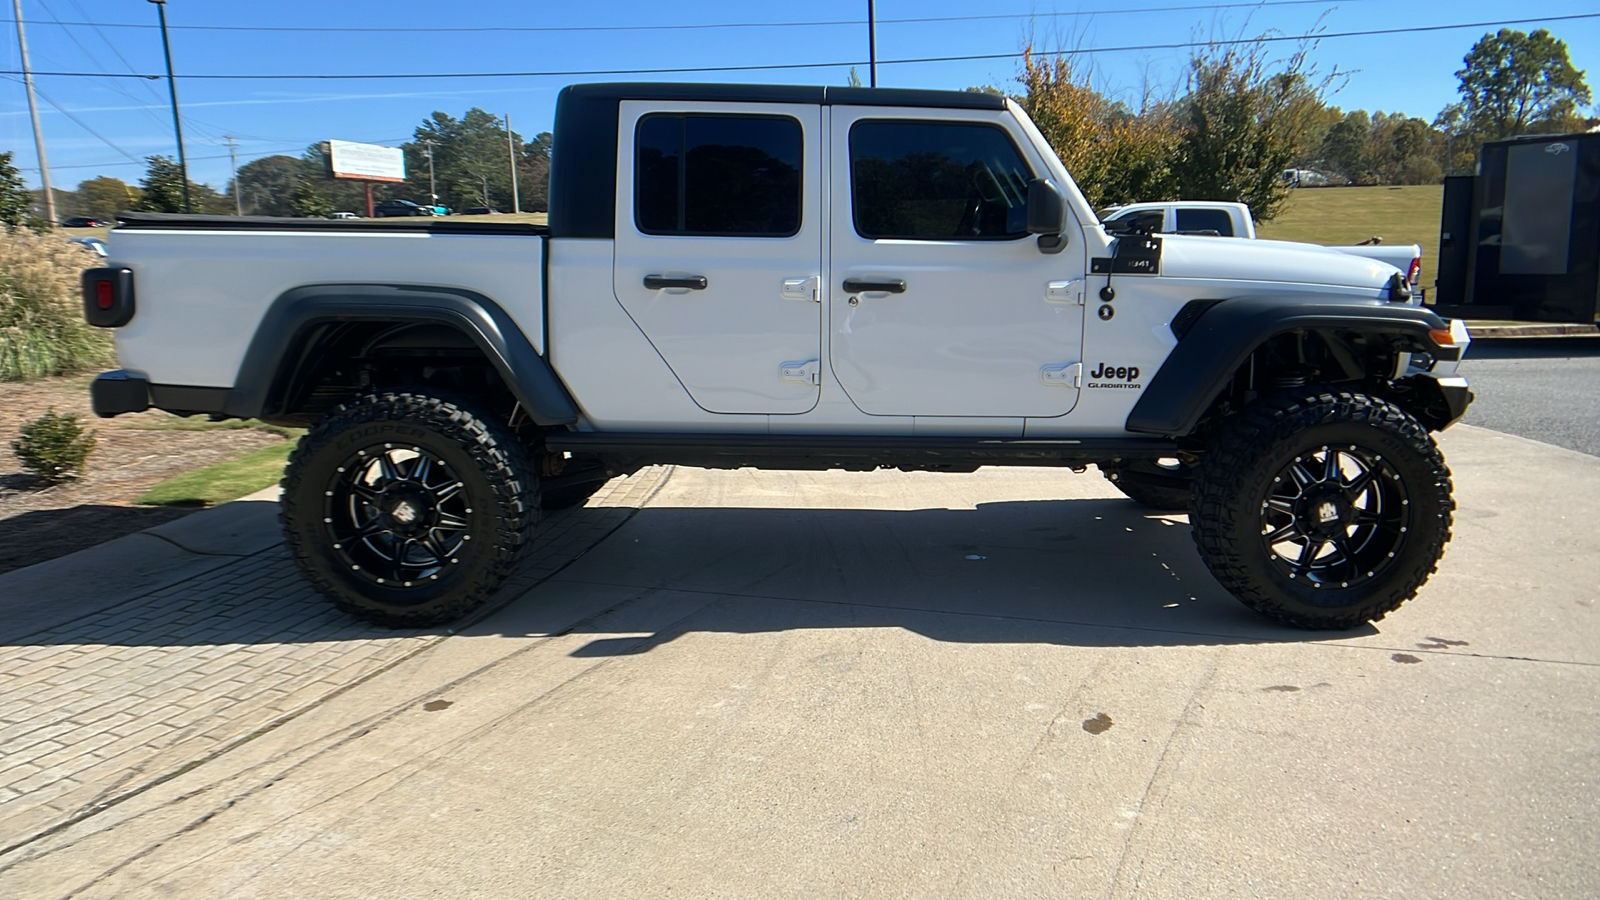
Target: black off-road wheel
(406, 509)
(1164, 485)
(1322, 509)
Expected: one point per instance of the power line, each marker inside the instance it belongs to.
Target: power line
(1076, 51)
(264, 153)
(557, 29)
(85, 126)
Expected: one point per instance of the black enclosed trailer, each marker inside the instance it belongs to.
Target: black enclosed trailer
(1521, 239)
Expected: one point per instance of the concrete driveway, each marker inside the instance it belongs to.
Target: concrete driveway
(1006, 684)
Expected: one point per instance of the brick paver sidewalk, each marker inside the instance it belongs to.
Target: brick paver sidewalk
(103, 707)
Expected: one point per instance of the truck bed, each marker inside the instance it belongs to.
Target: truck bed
(206, 282)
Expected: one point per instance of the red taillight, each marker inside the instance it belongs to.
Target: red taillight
(1415, 272)
(104, 294)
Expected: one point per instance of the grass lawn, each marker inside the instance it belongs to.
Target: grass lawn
(227, 480)
(1346, 215)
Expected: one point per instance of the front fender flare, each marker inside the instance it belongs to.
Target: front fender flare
(1222, 338)
(262, 380)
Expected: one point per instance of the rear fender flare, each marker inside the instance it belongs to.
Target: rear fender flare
(272, 362)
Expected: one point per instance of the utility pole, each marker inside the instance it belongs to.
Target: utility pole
(872, 45)
(233, 154)
(33, 109)
(172, 88)
(433, 192)
(511, 146)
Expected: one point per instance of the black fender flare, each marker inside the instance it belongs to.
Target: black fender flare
(1220, 340)
(262, 378)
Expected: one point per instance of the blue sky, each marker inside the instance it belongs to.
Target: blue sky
(1412, 73)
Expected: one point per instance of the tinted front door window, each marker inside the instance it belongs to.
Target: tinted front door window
(937, 181)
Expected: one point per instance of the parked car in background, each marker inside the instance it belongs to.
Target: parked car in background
(481, 211)
(84, 222)
(390, 208)
(343, 215)
(1215, 218)
(93, 243)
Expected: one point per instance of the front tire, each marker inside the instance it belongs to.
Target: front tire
(406, 509)
(1323, 510)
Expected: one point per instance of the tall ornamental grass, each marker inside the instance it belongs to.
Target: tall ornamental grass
(42, 331)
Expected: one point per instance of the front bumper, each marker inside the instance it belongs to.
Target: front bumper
(1438, 401)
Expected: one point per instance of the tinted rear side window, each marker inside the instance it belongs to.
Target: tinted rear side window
(1196, 221)
(937, 181)
(730, 176)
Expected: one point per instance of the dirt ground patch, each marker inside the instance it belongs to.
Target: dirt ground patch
(133, 453)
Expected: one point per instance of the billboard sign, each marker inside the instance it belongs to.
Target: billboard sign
(366, 162)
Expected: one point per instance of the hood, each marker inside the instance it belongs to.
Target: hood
(1287, 262)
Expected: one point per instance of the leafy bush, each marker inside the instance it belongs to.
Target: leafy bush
(42, 331)
(54, 447)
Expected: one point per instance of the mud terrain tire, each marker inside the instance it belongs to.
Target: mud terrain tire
(406, 509)
(1322, 509)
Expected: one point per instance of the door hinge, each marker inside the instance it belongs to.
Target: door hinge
(1070, 375)
(1065, 292)
(801, 372)
(802, 289)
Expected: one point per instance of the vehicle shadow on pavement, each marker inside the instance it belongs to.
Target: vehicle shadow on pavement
(1094, 573)
(1084, 572)
(43, 534)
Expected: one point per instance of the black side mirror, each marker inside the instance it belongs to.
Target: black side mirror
(1047, 210)
(1047, 215)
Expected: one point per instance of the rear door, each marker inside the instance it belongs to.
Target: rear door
(719, 247)
(941, 303)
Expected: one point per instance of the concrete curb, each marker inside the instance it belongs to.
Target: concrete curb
(1529, 329)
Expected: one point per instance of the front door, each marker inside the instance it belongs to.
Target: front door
(719, 248)
(940, 302)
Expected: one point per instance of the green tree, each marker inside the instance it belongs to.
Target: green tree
(1344, 148)
(1244, 120)
(266, 186)
(307, 203)
(1114, 156)
(471, 159)
(104, 197)
(1515, 83)
(162, 186)
(15, 197)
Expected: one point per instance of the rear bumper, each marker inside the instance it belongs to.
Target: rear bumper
(117, 392)
(120, 391)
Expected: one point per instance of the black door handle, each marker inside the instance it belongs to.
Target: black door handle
(865, 285)
(692, 282)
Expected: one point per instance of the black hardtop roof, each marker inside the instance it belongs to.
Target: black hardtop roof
(611, 92)
(584, 158)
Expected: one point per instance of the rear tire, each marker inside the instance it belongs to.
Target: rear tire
(406, 509)
(1322, 509)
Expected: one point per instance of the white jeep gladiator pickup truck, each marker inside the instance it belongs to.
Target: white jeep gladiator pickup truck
(1219, 219)
(795, 277)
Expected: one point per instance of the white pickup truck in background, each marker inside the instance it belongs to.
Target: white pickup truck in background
(1219, 219)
